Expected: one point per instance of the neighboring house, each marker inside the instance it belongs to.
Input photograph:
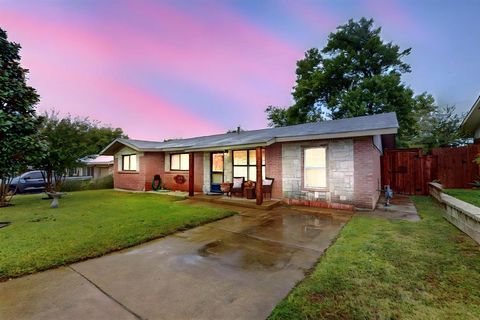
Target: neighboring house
(331, 163)
(94, 166)
(471, 122)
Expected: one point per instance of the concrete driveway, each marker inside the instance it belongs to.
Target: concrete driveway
(236, 268)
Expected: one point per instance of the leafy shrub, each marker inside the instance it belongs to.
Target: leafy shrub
(102, 183)
(74, 185)
(80, 185)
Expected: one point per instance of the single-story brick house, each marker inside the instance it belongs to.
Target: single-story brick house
(332, 163)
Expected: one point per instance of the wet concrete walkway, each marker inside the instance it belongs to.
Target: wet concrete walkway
(401, 208)
(236, 268)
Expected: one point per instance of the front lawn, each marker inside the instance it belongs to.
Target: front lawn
(380, 269)
(468, 195)
(88, 224)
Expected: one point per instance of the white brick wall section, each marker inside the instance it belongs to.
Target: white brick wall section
(206, 172)
(227, 167)
(291, 167)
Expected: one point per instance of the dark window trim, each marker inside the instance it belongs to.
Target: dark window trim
(180, 153)
(248, 162)
(123, 162)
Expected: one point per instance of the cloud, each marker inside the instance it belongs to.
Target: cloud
(223, 54)
(317, 18)
(389, 12)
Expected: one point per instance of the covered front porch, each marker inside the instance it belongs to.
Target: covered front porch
(222, 167)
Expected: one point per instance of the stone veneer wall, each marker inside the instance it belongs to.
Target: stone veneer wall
(340, 171)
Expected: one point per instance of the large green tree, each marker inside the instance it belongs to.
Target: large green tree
(69, 139)
(438, 128)
(19, 141)
(355, 74)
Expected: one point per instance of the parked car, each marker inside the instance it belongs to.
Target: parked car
(33, 181)
(30, 181)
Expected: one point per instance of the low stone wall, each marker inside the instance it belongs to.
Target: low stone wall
(461, 214)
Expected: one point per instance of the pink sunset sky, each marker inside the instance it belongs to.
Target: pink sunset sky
(172, 69)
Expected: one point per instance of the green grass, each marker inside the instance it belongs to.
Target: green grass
(380, 269)
(88, 224)
(468, 195)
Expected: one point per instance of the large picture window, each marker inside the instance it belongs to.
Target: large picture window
(315, 167)
(129, 162)
(244, 164)
(179, 162)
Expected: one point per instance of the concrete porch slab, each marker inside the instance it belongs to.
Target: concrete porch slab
(268, 204)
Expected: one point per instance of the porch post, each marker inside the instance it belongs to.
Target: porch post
(259, 187)
(191, 174)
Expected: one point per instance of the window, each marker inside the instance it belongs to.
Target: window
(179, 161)
(244, 164)
(217, 167)
(90, 171)
(315, 167)
(129, 162)
(34, 175)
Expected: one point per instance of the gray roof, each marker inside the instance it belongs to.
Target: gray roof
(385, 123)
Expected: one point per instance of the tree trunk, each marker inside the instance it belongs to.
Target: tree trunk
(49, 182)
(5, 195)
(59, 179)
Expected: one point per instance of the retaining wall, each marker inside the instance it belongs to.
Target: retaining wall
(461, 214)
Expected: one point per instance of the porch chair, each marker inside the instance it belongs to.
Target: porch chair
(237, 185)
(267, 184)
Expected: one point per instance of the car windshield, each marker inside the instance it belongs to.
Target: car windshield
(33, 175)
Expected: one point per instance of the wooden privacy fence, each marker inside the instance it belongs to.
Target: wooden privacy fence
(408, 171)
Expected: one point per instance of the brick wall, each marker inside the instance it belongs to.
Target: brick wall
(149, 164)
(367, 173)
(169, 176)
(273, 167)
(127, 180)
(152, 163)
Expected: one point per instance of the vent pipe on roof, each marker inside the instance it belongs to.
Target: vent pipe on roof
(238, 129)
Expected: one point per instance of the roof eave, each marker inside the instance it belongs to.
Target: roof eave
(109, 163)
(338, 135)
(473, 116)
(110, 150)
